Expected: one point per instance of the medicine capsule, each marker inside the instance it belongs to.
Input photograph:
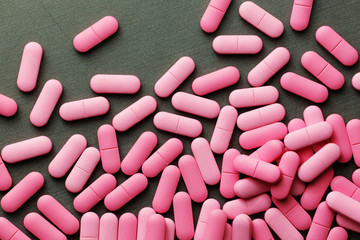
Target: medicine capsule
(213, 15)
(237, 44)
(300, 14)
(115, 84)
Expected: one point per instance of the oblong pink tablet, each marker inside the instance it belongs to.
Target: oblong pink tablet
(41, 228)
(94, 193)
(355, 81)
(58, 214)
(127, 227)
(242, 227)
(108, 227)
(26, 149)
(259, 136)
(8, 106)
(304, 87)
(336, 45)
(344, 205)
(170, 229)
(337, 233)
(321, 223)
(135, 113)
(229, 175)
(228, 232)
(252, 97)
(268, 67)
(95, 34)
(126, 191)
(237, 44)
(67, 156)
(347, 223)
(109, 150)
(261, 19)
(250, 187)
(216, 225)
(353, 131)
(270, 151)
(89, 227)
(196, 105)
(143, 217)
(177, 124)
(213, 15)
(300, 14)
(29, 66)
(183, 215)
(156, 228)
(118, 84)
(22, 192)
(167, 153)
(207, 207)
(46, 102)
(261, 230)
(5, 177)
(345, 186)
(322, 70)
(8, 231)
(175, 76)
(215, 81)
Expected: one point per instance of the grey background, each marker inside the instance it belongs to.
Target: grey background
(151, 37)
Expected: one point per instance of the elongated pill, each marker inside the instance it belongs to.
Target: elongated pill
(170, 229)
(184, 221)
(300, 14)
(337, 233)
(228, 232)
(242, 227)
(347, 223)
(41, 228)
(95, 34)
(89, 226)
(207, 207)
(270, 151)
(46, 102)
(127, 227)
(5, 177)
(143, 217)
(29, 66)
(250, 187)
(22, 192)
(298, 187)
(108, 227)
(8, 231)
(229, 175)
(261, 230)
(156, 228)
(252, 97)
(321, 223)
(174, 77)
(353, 131)
(215, 81)
(8, 106)
(237, 44)
(216, 225)
(344, 205)
(115, 84)
(213, 15)
(345, 186)
(135, 113)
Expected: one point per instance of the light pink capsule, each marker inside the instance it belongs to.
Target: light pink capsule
(237, 44)
(216, 225)
(356, 177)
(156, 228)
(321, 223)
(345, 186)
(322, 70)
(26, 149)
(22, 192)
(229, 175)
(8, 106)
(242, 227)
(215, 81)
(213, 15)
(207, 207)
(268, 67)
(109, 150)
(261, 19)
(94, 193)
(337, 233)
(166, 189)
(353, 131)
(300, 14)
(85, 108)
(270, 151)
(183, 215)
(29, 66)
(108, 227)
(196, 105)
(347, 223)
(127, 227)
(344, 205)
(95, 34)
(41, 228)
(116, 84)
(192, 177)
(89, 226)
(174, 77)
(228, 232)
(5, 178)
(135, 113)
(355, 81)
(252, 97)
(250, 187)
(8, 231)
(177, 124)
(313, 114)
(143, 217)
(170, 229)
(298, 187)
(82, 170)
(336, 45)
(138, 153)
(165, 154)
(261, 230)
(126, 191)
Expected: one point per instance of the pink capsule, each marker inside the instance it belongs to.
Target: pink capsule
(156, 228)
(261, 230)
(356, 177)
(127, 227)
(215, 81)
(8, 106)
(345, 186)
(250, 187)
(213, 15)
(89, 226)
(143, 217)
(174, 77)
(321, 223)
(355, 81)
(8, 231)
(229, 175)
(313, 114)
(336, 45)
(207, 207)
(347, 223)
(108, 227)
(242, 227)
(300, 14)
(353, 129)
(215, 227)
(29, 66)
(237, 44)
(228, 232)
(184, 221)
(95, 34)
(344, 205)
(5, 178)
(252, 97)
(115, 84)
(41, 228)
(270, 151)
(170, 229)
(337, 233)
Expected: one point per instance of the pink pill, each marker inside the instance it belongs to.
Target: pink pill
(345, 186)
(8, 231)
(281, 225)
(192, 177)
(250, 187)
(177, 124)
(268, 67)
(167, 153)
(196, 105)
(135, 113)
(229, 175)
(22, 192)
(174, 77)
(216, 225)
(270, 151)
(207, 207)
(347, 223)
(58, 214)
(89, 227)
(259, 136)
(260, 117)
(242, 227)
(337, 233)
(248, 206)
(300, 14)
(67, 156)
(156, 228)
(344, 205)
(138, 153)
(108, 227)
(356, 177)
(298, 187)
(237, 44)
(215, 81)
(322, 70)
(336, 45)
(116, 84)
(5, 178)
(252, 97)
(353, 131)
(82, 170)
(355, 81)
(46, 102)
(213, 15)
(109, 150)
(166, 189)
(127, 227)
(26, 149)
(95, 34)
(228, 232)
(8, 106)
(41, 228)
(94, 193)
(170, 229)
(321, 223)
(304, 87)
(184, 221)
(29, 66)
(261, 230)
(261, 19)
(126, 191)
(143, 217)
(313, 114)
